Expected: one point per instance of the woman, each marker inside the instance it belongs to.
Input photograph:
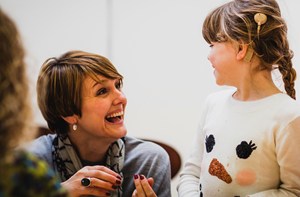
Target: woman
(21, 173)
(80, 97)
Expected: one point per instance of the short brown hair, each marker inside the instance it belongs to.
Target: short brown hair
(60, 82)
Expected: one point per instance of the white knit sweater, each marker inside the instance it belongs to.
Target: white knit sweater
(245, 149)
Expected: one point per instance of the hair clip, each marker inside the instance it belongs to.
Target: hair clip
(249, 54)
(260, 19)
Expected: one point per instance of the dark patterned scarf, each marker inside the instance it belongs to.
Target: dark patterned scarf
(67, 162)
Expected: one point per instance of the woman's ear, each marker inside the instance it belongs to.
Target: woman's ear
(245, 52)
(70, 119)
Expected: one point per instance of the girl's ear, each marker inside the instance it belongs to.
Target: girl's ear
(245, 52)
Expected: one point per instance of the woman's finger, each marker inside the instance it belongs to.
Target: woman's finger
(151, 181)
(134, 194)
(101, 177)
(147, 188)
(143, 186)
(101, 184)
(104, 169)
(91, 180)
(104, 176)
(139, 188)
(94, 191)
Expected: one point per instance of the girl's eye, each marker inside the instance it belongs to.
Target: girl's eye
(119, 85)
(101, 91)
(211, 45)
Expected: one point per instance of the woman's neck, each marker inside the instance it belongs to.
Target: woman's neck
(90, 149)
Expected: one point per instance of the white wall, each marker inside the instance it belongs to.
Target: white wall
(157, 45)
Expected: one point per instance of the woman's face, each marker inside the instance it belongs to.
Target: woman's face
(103, 108)
(223, 59)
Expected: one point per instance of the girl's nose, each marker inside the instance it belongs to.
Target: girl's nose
(208, 57)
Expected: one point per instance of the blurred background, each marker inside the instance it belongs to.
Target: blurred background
(157, 45)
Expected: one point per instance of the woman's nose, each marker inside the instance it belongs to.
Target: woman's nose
(119, 97)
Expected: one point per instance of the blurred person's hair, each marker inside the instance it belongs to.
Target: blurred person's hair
(15, 110)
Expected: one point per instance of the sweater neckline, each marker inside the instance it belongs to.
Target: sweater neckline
(255, 105)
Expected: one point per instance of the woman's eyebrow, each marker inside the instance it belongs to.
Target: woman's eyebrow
(100, 82)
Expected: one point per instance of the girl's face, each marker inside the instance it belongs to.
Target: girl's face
(223, 59)
(103, 108)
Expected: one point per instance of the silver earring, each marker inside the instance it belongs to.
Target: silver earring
(74, 127)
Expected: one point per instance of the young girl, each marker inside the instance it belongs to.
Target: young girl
(249, 137)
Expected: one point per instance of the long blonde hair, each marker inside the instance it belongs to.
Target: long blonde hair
(234, 21)
(15, 111)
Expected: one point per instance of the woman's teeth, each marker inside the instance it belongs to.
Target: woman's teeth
(115, 114)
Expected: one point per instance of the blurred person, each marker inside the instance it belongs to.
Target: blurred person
(21, 173)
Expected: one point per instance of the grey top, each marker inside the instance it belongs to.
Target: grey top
(141, 157)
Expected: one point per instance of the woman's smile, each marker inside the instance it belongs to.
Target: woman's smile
(115, 117)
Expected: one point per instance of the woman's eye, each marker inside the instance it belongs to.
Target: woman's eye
(101, 91)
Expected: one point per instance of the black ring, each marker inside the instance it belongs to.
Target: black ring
(86, 182)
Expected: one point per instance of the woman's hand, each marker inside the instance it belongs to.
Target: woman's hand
(143, 186)
(102, 181)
